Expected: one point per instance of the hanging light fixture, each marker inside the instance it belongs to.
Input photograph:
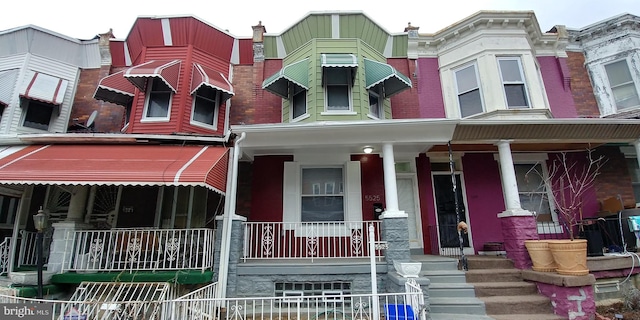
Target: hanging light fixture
(367, 149)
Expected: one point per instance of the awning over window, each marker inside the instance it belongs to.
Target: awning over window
(116, 165)
(45, 88)
(116, 89)
(7, 83)
(337, 60)
(203, 76)
(165, 70)
(382, 73)
(296, 73)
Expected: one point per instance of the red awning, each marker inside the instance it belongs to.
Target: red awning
(45, 88)
(116, 89)
(116, 165)
(166, 70)
(203, 76)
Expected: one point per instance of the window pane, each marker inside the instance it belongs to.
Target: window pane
(159, 104)
(322, 208)
(529, 177)
(337, 75)
(338, 97)
(320, 181)
(626, 96)
(516, 97)
(618, 73)
(38, 115)
(374, 105)
(299, 104)
(470, 103)
(535, 202)
(510, 70)
(204, 110)
(466, 79)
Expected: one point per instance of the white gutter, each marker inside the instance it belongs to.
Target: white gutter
(227, 221)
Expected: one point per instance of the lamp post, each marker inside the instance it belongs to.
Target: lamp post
(40, 222)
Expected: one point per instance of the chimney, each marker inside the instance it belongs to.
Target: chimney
(258, 45)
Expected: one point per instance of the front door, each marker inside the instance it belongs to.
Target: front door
(446, 214)
(407, 203)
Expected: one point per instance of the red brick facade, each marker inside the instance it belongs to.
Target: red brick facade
(110, 116)
(614, 178)
(585, 101)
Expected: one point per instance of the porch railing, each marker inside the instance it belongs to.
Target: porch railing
(141, 249)
(5, 255)
(334, 307)
(27, 247)
(317, 240)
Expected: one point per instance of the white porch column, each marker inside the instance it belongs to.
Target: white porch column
(509, 182)
(392, 209)
(77, 203)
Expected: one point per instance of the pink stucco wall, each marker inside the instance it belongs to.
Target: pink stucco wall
(484, 197)
(556, 78)
(430, 89)
(575, 303)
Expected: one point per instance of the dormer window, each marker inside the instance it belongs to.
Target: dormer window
(468, 90)
(622, 85)
(205, 107)
(158, 101)
(515, 91)
(37, 114)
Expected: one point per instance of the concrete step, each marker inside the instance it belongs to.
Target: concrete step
(491, 289)
(444, 276)
(488, 262)
(457, 316)
(466, 306)
(493, 275)
(436, 262)
(443, 290)
(523, 304)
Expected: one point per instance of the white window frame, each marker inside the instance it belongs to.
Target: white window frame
(634, 81)
(26, 105)
(292, 198)
(550, 227)
(521, 82)
(216, 109)
(349, 85)
(478, 87)
(380, 105)
(293, 93)
(145, 117)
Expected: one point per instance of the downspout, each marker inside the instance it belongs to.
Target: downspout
(227, 221)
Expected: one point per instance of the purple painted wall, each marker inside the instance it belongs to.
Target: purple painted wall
(484, 197)
(430, 89)
(556, 77)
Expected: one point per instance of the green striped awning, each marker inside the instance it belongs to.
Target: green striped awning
(336, 60)
(296, 73)
(392, 80)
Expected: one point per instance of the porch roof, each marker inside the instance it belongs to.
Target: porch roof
(176, 165)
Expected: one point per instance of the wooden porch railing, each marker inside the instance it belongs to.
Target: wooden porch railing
(317, 240)
(141, 249)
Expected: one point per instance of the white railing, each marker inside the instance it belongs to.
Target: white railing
(5, 255)
(141, 249)
(203, 304)
(27, 255)
(318, 240)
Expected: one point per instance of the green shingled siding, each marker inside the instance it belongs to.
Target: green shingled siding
(360, 27)
(400, 46)
(270, 47)
(313, 27)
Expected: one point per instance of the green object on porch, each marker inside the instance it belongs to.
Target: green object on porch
(181, 277)
(32, 291)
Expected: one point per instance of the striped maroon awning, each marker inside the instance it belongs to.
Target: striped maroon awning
(116, 89)
(116, 165)
(45, 88)
(203, 76)
(166, 70)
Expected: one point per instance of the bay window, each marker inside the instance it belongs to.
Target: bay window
(622, 85)
(515, 90)
(158, 101)
(468, 91)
